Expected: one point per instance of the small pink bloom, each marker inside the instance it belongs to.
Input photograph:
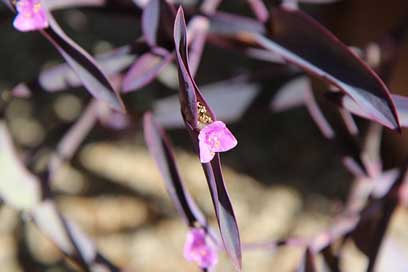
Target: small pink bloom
(30, 16)
(215, 137)
(198, 250)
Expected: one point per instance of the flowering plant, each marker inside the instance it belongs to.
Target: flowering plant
(305, 64)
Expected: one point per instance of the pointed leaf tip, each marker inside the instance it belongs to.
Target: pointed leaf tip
(84, 65)
(297, 37)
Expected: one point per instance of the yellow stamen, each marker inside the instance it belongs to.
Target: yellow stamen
(203, 116)
(37, 7)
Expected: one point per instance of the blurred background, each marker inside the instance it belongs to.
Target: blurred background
(284, 178)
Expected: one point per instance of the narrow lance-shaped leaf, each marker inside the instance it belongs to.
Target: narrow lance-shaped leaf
(229, 31)
(157, 20)
(401, 103)
(160, 148)
(69, 238)
(344, 132)
(64, 4)
(70, 142)
(145, 70)
(190, 100)
(83, 64)
(259, 9)
(9, 4)
(335, 124)
(22, 190)
(308, 262)
(305, 43)
(62, 77)
(198, 26)
(376, 217)
(231, 24)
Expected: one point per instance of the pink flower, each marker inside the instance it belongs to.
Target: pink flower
(198, 250)
(30, 16)
(215, 137)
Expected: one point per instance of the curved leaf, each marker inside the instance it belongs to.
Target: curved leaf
(190, 95)
(188, 88)
(305, 43)
(84, 66)
(157, 20)
(335, 124)
(377, 214)
(161, 150)
(72, 139)
(308, 262)
(62, 77)
(63, 4)
(401, 103)
(144, 70)
(69, 238)
(343, 131)
(231, 24)
(292, 94)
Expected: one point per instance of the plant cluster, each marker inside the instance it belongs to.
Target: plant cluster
(313, 69)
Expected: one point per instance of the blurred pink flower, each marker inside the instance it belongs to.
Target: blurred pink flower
(198, 250)
(215, 137)
(30, 16)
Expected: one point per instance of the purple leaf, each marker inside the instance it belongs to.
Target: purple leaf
(376, 217)
(53, 225)
(259, 9)
(190, 100)
(63, 4)
(84, 66)
(199, 27)
(244, 46)
(224, 210)
(335, 124)
(161, 150)
(308, 262)
(292, 94)
(231, 24)
(69, 238)
(188, 88)
(210, 6)
(339, 127)
(144, 70)
(401, 103)
(62, 77)
(71, 141)
(303, 42)
(9, 4)
(230, 31)
(157, 20)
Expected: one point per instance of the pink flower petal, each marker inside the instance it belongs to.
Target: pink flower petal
(215, 137)
(205, 154)
(31, 16)
(198, 250)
